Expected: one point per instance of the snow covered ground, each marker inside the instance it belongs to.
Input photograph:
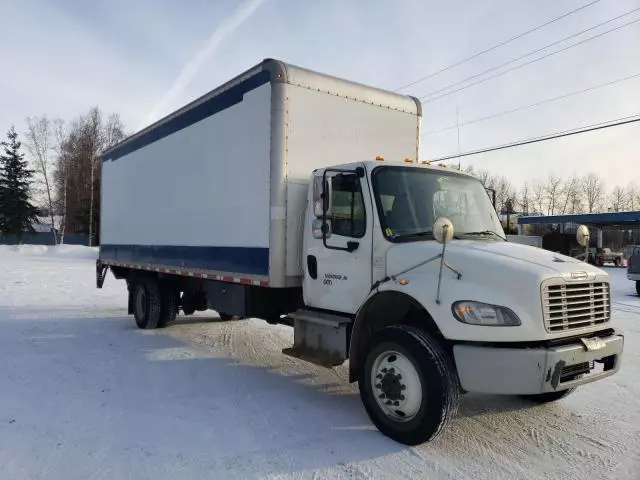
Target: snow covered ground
(85, 395)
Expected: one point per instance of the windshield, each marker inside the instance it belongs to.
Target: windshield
(409, 200)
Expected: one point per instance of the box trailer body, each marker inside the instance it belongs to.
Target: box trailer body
(219, 187)
(273, 197)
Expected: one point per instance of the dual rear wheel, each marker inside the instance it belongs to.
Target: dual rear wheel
(155, 302)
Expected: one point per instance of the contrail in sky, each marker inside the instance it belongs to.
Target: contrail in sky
(193, 66)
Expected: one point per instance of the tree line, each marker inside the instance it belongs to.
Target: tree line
(56, 174)
(555, 195)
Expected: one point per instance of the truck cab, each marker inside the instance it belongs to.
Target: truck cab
(408, 273)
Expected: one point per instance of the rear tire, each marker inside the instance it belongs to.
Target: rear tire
(618, 262)
(549, 396)
(225, 316)
(638, 287)
(146, 302)
(408, 385)
(168, 304)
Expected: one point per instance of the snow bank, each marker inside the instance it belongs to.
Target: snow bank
(66, 251)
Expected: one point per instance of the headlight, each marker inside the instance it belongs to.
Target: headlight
(477, 313)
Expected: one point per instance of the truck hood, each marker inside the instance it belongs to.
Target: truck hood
(492, 254)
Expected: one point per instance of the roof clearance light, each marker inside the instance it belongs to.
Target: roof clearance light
(379, 158)
(408, 160)
(442, 165)
(426, 162)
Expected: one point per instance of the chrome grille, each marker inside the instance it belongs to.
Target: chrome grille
(572, 306)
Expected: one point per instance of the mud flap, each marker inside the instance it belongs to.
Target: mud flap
(101, 273)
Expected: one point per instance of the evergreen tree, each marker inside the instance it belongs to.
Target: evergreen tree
(17, 214)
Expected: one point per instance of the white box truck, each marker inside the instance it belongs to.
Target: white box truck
(296, 197)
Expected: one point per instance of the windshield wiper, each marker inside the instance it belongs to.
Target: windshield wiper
(483, 232)
(410, 234)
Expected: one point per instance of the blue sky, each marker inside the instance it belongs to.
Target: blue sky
(61, 57)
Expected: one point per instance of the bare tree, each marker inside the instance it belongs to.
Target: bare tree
(79, 169)
(539, 196)
(504, 191)
(571, 195)
(61, 171)
(40, 131)
(524, 199)
(618, 199)
(484, 176)
(633, 196)
(593, 191)
(553, 191)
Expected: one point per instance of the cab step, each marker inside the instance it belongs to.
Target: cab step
(319, 338)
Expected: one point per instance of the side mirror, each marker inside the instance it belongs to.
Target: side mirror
(443, 230)
(322, 197)
(582, 235)
(317, 228)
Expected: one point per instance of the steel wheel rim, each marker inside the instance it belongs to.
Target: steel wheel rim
(396, 386)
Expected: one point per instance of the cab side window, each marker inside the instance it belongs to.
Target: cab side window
(348, 214)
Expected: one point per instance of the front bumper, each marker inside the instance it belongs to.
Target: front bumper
(522, 371)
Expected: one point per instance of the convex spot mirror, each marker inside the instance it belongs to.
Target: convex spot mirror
(443, 230)
(582, 235)
(317, 227)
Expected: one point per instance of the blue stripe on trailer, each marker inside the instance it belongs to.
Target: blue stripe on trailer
(224, 100)
(244, 260)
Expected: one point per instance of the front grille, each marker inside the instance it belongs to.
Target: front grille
(572, 306)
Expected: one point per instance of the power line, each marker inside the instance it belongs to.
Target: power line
(501, 44)
(550, 136)
(531, 105)
(517, 67)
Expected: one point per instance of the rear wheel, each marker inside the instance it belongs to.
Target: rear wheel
(408, 385)
(225, 316)
(168, 304)
(549, 396)
(146, 302)
(638, 287)
(618, 261)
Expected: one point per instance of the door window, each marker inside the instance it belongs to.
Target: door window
(348, 214)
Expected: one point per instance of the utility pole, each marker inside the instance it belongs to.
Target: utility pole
(458, 127)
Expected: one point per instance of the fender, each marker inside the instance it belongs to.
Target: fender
(383, 309)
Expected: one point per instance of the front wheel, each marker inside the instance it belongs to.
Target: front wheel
(408, 385)
(549, 396)
(638, 287)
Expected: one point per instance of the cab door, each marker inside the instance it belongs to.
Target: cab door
(337, 257)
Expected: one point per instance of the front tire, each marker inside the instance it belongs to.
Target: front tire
(638, 287)
(549, 396)
(146, 303)
(408, 385)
